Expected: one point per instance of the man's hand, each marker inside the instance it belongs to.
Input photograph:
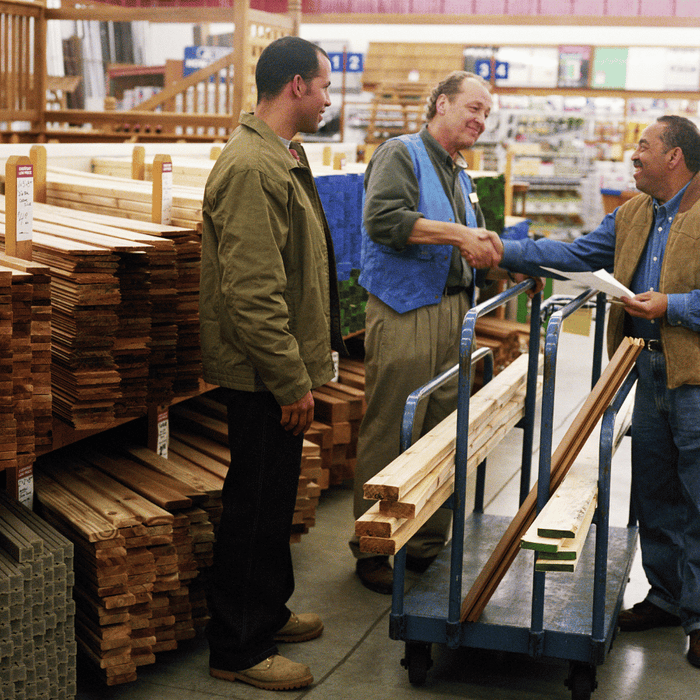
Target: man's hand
(299, 415)
(481, 248)
(539, 283)
(647, 305)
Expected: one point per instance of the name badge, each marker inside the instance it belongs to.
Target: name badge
(473, 197)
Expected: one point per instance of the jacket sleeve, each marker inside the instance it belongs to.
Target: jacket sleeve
(251, 213)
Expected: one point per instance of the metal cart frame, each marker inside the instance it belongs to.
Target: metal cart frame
(579, 622)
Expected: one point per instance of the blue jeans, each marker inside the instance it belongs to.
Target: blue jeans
(252, 577)
(666, 488)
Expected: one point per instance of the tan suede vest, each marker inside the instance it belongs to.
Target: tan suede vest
(680, 273)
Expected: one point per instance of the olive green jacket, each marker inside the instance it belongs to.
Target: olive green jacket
(680, 273)
(268, 302)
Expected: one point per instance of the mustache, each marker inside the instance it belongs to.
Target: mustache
(637, 163)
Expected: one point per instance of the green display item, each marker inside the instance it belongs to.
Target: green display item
(492, 196)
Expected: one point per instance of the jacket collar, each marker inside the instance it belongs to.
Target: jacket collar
(691, 195)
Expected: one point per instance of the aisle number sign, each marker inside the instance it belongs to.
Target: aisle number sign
(482, 68)
(354, 62)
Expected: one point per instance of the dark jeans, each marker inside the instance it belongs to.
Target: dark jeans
(666, 488)
(252, 577)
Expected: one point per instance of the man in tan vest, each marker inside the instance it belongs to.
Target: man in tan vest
(652, 245)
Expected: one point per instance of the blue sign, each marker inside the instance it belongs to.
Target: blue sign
(198, 57)
(354, 62)
(482, 68)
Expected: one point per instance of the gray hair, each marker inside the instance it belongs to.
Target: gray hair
(450, 86)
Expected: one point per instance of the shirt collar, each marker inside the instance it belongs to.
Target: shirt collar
(431, 143)
(670, 208)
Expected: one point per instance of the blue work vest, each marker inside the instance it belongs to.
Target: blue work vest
(415, 276)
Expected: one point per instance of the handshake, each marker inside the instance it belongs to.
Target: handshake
(481, 248)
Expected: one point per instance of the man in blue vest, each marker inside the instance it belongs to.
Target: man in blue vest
(423, 233)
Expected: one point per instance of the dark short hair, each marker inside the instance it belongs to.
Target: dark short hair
(281, 61)
(682, 133)
(450, 86)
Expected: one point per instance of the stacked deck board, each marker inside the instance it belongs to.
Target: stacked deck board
(37, 638)
(8, 422)
(190, 172)
(125, 564)
(174, 296)
(199, 434)
(117, 196)
(25, 321)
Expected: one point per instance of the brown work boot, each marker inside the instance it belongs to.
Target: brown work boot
(300, 628)
(376, 574)
(275, 673)
(694, 648)
(646, 616)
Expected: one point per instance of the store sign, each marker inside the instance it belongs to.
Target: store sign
(354, 62)
(198, 57)
(482, 68)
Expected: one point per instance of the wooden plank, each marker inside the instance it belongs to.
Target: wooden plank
(568, 556)
(506, 550)
(400, 536)
(395, 480)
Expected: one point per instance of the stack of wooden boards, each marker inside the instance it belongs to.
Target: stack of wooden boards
(143, 531)
(125, 326)
(120, 196)
(37, 638)
(559, 531)
(25, 359)
(561, 461)
(418, 482)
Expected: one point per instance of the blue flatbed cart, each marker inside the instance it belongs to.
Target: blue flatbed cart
(574, 620)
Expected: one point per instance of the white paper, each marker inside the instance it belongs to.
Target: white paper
(600, 280)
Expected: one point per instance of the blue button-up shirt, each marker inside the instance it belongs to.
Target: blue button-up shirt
(596, 250)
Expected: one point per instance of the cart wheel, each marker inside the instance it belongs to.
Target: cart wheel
(417, 662)
(581, 681)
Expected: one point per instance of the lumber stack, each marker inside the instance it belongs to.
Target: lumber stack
(8, 422)
(559, 531)
(341, 407)
(562, 459)
(25, 324)
(37, 647)
(199, 431)
(507, 339)
(126, 327)
(190, 172)
(417, 482)
(174, 292)
(118, 196)
(141, 538)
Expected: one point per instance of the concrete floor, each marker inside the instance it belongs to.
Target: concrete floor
(355, 658)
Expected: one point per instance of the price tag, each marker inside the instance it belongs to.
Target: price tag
(163, 434)
(25, 486)
(25, 198)
(167, 199)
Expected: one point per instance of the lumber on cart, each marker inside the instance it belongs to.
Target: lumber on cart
(142, 530)
(560, 529)
(417, 482)
(25, 357)
(38, 648)
(562, 459)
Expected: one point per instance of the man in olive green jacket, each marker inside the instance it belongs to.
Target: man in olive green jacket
(269, 316)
